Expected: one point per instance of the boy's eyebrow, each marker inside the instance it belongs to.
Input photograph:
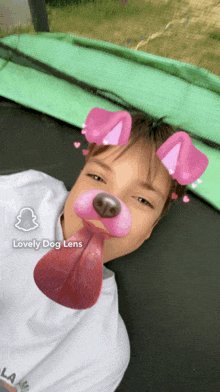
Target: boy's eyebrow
(145, 185)
(102, 164)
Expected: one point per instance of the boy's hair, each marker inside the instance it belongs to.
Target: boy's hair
(141, 130)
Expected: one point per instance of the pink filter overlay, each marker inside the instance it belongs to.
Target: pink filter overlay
(182, 159)
(72, 276)
(107, 128)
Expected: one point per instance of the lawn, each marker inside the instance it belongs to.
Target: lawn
(168, 28)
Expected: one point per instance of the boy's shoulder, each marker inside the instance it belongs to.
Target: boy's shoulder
(26, 196)
(30, 186)
(28, 179)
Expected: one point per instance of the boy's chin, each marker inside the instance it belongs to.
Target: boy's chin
(108, 255)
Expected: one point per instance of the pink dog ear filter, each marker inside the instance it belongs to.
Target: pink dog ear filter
(72, 276)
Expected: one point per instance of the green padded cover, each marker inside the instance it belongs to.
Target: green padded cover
(188, 95)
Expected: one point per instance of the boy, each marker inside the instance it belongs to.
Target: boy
(47, 347)
(122, 181)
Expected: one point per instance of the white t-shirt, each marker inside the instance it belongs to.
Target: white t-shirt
(44, 346)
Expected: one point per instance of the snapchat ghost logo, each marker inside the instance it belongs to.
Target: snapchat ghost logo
(26, 220)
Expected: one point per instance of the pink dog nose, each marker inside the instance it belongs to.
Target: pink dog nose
(111, 211)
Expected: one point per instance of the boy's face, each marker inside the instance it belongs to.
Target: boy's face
(121, 182)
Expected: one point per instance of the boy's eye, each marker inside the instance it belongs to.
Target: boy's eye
(94, 175)
(145, 201)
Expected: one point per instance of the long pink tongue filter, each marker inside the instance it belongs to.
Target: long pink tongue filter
(72, 276)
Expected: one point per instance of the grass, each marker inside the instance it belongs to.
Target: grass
(188, 40)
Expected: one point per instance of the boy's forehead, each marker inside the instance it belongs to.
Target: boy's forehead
(138, 151)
